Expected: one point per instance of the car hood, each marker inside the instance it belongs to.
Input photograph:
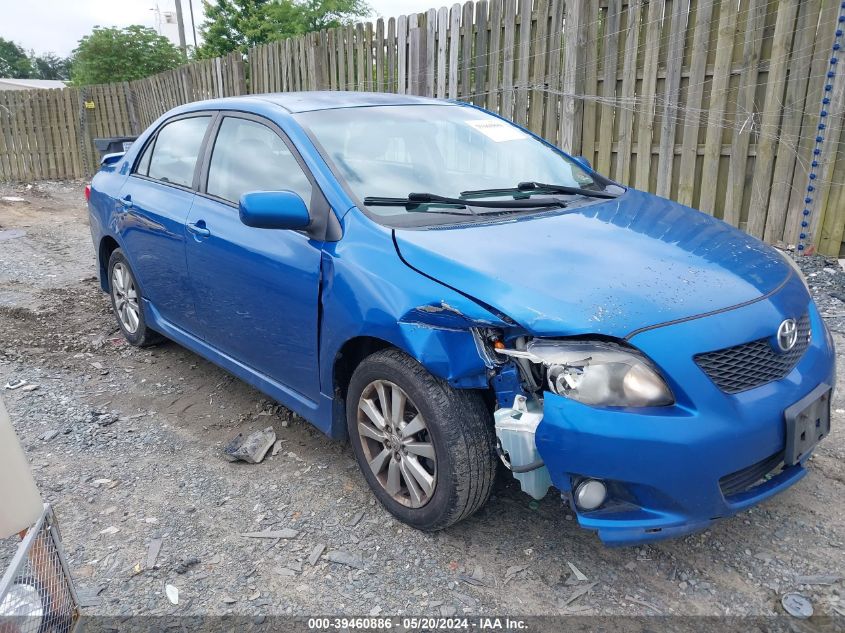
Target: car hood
(606, 267)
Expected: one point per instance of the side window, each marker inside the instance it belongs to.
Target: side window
(175, 151)
(144, 164)
(249, 156)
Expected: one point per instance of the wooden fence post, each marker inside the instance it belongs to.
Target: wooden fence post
(131, 109)
(572, 83)
(85, 143)
(671, 97)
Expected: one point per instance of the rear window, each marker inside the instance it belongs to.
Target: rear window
(175, 151)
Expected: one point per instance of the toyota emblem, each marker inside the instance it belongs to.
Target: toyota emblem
(787, 335)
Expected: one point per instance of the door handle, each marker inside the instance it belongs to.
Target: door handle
(198, 228)
(127, 202)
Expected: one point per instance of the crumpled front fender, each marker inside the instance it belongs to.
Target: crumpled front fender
(368, 291)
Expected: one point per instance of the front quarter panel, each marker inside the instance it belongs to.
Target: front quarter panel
(368, 291)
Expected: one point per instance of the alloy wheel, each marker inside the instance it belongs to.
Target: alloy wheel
(125, 295)
(397, 444)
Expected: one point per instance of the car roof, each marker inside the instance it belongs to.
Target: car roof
(308, 101)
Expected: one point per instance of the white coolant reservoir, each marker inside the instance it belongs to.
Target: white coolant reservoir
(20, 502)
(515, 428)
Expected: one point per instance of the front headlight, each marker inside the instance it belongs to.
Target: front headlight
(597, 373)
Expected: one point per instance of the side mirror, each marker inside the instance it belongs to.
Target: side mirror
(583, 162)
(273, 210)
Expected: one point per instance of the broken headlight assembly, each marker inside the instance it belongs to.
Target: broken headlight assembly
(596, 373)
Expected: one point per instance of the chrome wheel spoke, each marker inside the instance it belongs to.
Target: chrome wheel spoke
(132, 315)
(413, 427)
(367, 430)
(419, 474)
(397, 405)
(371, 411)
(394, 482)
(117, 277)
(383, 404)
(423, 449)
(414, 491)
(378, 462)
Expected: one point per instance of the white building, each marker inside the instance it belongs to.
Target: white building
(30, 84)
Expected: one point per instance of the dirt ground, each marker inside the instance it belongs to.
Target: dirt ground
(127, 445)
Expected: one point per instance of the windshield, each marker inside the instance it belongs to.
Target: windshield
(391, 151)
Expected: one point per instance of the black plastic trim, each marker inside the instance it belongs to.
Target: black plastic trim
(212, 114)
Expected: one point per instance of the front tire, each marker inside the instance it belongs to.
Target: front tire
(127, 302)
(425, 449)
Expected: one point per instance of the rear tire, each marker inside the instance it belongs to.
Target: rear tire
(438, 438)
(127, 302)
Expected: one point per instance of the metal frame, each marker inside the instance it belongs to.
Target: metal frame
(46, 521)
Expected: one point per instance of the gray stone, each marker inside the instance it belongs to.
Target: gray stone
(252, 448)
(345, 558)
(315, 554)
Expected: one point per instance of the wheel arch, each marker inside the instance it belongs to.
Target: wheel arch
(350, 356)
(107, 246)
(347, 358)
(357, 348)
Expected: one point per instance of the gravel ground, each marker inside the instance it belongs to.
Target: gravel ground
(127, 445)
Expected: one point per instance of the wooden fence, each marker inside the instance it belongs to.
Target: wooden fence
(49, 133)
(714, 104)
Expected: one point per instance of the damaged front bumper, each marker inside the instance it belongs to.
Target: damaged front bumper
(673, 470)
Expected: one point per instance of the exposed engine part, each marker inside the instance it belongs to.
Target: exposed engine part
(516, 469)
(526, 370)
(484, 339)
(515, 429)
(507, 383)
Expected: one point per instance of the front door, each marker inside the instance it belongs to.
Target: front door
(256, 290)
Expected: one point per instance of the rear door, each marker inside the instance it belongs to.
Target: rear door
(152, 210)
(256, 290)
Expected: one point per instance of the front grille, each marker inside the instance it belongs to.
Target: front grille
(750, 365)
(747, 478)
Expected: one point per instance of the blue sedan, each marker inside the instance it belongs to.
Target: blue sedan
(448, 291)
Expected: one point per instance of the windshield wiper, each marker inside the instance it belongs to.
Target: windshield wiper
(530, 188)
(417, 199)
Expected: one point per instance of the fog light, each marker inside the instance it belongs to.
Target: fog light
(590, 494)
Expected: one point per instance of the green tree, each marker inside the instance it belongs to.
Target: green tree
(237, 25)
(328, 14)
(111, 54)
(232, 25)
(14, 62)
(51, 66)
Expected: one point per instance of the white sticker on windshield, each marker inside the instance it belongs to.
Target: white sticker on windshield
(498, 131)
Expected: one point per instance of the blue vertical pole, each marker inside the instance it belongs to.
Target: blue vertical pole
(810, 197)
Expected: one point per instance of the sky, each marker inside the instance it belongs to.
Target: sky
(57, 25)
